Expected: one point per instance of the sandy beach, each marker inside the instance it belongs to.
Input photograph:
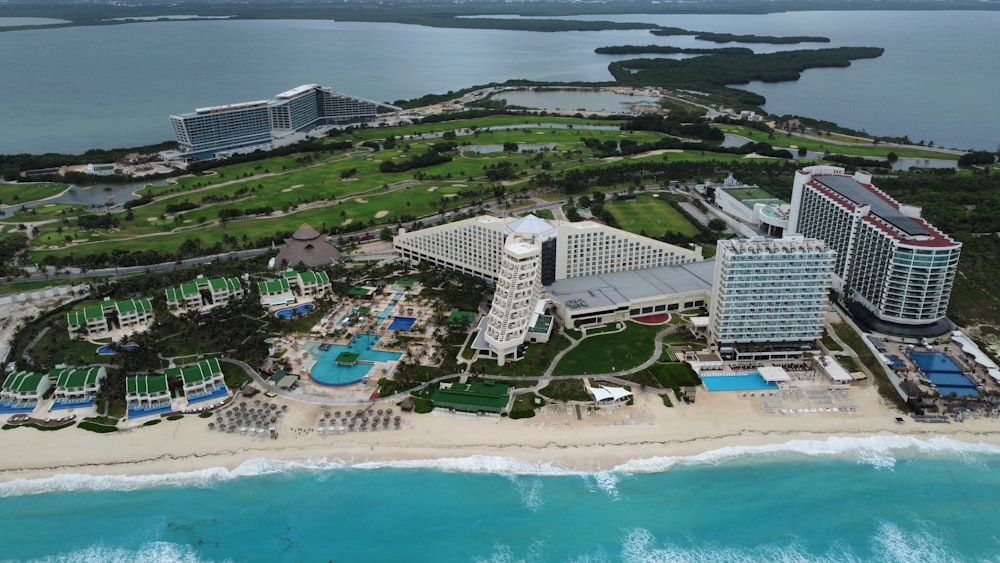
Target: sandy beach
(595, 441)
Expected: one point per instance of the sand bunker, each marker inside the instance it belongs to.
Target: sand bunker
(360, 200)
(432, 189)
(290, 188)
(449, 195)
(381, 214)
(151, 219)
(347, 222)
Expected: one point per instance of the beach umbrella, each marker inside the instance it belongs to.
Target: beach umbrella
(336, 414)
(211, 426)
(397, 418)
(388, 411)
(379, 412)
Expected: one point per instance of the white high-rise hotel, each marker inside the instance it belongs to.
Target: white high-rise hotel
(769, 296)
(522, 255)
(894, 268)
(218, 129)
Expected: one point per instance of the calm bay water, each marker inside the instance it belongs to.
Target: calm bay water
(70, 89)
(874, 499)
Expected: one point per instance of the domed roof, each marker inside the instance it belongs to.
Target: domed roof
(305, 232)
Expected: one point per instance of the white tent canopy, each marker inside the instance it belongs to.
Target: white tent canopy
(972, 349)
(773, 374)
(833, 370)
(606, 395)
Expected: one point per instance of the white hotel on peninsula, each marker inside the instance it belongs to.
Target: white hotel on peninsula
(218, 131)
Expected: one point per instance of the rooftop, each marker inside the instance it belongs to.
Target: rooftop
(604, 290)
(860, 194)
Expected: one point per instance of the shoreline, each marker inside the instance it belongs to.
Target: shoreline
(719, 427)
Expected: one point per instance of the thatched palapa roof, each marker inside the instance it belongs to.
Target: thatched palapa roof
(307, 246)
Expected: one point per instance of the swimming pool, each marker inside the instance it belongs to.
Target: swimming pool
(109, 351)
(944, 374)
(751, 381)
(293, 312)
(402, 323)
(327, 372)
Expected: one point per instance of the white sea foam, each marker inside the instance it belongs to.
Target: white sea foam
(889, 543)
(879, 451)
(152, 552)
(529, 489)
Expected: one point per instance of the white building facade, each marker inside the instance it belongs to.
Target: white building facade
(518, 291)
(206, 132)
(769, 296)
(893, 267)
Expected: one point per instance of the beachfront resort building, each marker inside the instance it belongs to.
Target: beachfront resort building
(110, 318)
(146, 394)
(203, 294)
(217, 131)
(525, 255)
(769, 296)
(893, 269)
(75, 386)
(202, 379)
(275, 293)
(309, 284)
(22, 390)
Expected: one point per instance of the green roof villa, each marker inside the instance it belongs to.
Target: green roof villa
(146, 395)
(309, 283)
(77, 387)
(110, 318)
(203, 294)
(22, 390)
(275, 293)
(202, 381)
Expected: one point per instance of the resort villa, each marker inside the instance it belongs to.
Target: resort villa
(201, 380)
(147, 394)
(275, 293)
(108, 318)
(309, 283)
(22, 391)
(203, 294)
(75, 387)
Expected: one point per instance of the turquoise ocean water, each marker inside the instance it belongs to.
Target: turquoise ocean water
(843, 499)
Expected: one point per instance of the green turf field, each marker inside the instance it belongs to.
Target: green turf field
(651, 215)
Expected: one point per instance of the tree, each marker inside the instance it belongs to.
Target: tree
(892, 157)
(385, 234)
(717, 225)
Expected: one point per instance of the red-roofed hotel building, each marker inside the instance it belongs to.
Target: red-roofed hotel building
(893, 268)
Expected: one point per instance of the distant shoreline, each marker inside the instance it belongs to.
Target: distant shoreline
(541, 17)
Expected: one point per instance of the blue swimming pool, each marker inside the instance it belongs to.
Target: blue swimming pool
(402, 323)
(327, 372)
(109, 351)
(944, 373)
(293, 312)
(751, 381)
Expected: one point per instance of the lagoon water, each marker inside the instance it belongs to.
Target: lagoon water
(867, 499)
(69, 89)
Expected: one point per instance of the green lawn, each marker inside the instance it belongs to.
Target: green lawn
(15, 194)
(651, 215)
(610, 352)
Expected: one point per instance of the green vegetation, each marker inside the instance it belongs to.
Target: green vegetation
(14, 194)
(650, 215)
(830, 344)
(153, 422)
(524, 405)
(612, 352)
(732, 38)
(175, 417)
(566, 390)
(234, 375)
(422, 405)
(853, 340)
(96, 425)
(713, 73)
